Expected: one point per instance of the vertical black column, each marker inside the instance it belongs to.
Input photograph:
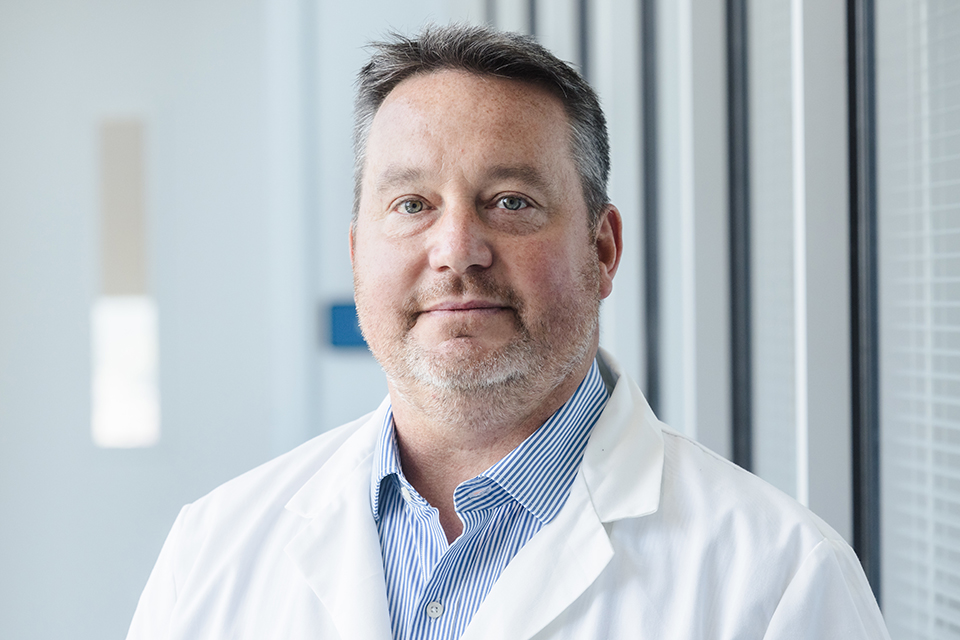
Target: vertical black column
(863, 287)
(741, 356)
(651, 227)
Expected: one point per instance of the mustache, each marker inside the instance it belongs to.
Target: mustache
(480, 285)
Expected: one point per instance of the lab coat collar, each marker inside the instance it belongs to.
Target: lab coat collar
(620, 477)
(623, 461)
(338, 551)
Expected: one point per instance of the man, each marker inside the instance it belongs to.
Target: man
(514, 484)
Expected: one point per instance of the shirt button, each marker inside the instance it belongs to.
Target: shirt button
(405, 493)
(434, 609)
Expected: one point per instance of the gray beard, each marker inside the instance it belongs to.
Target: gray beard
(503, 384)
(502, 387)
(520, 364)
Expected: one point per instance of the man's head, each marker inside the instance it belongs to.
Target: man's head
(485, 52)
(478, 264)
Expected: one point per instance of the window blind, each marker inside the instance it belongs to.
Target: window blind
(918, 164)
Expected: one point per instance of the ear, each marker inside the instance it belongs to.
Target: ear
(353, 229)
(609, 243)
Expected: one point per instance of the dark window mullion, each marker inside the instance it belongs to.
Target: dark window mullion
(583, 37)
(651, 227)
(863, 269)
(739, 194)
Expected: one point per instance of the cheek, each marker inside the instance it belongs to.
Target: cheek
(385, 279)
(371, 281)
(381, 264)
(547, 278)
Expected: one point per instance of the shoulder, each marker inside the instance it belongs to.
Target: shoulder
(227, 547)
(231, 523)
(728, 549)
(704, 488)
(765, 548)
(720, 525)
(271, 485)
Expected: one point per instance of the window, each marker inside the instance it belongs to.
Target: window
(918, 167)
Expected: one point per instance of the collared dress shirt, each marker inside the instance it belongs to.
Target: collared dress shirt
(434, 588)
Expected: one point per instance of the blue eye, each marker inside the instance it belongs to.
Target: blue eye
(512, 203)
(411, 206)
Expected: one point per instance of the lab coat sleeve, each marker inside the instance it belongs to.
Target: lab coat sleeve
(828, 597)
(151, 620)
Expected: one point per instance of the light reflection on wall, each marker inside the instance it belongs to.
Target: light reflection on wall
(126, 396)
(124, 336)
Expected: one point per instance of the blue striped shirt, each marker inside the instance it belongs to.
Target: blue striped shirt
(434, 588)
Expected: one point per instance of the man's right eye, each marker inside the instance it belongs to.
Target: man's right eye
(411, 206)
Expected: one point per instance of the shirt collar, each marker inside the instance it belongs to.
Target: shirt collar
(537, 474)
(386, 460)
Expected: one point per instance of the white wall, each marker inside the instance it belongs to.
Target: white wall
(81, 526)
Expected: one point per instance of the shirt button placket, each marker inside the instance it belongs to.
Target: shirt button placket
(434, 609)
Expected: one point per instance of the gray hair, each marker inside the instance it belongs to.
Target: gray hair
(484, 51)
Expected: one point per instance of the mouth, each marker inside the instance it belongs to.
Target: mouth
(464, 308)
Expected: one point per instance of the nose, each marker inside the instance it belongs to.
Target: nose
(459, 240)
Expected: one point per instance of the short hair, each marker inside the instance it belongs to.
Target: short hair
(485, 51)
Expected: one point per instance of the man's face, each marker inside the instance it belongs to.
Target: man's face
(474, 266)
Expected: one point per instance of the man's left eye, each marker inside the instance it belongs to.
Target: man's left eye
(512, 203)
(411, 206)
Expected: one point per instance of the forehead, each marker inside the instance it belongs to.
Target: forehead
(481, 94)
(460, 108)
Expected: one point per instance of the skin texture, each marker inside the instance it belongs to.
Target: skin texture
(477, 278)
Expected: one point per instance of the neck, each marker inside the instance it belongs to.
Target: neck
(446, 437)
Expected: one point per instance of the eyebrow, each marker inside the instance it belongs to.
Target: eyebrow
(396, 176)
(523, 172)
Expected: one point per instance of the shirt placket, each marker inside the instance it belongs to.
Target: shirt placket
(438, 614)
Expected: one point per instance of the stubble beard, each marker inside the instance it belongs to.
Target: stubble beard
(503, 382)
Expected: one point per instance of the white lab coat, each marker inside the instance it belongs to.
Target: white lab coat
(659, 539)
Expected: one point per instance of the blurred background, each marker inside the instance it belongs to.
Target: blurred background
(175, 288)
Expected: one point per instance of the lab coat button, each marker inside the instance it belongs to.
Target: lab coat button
(434, 609)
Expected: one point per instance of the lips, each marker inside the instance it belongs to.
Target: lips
(467, 305)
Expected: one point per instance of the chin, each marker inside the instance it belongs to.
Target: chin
(468, 368)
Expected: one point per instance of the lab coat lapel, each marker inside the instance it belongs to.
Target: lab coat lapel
(620, 477)
(547, 575)
(338, 551)
(623, 462)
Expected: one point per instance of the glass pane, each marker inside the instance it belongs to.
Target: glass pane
(918, 110)
(771, 242)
